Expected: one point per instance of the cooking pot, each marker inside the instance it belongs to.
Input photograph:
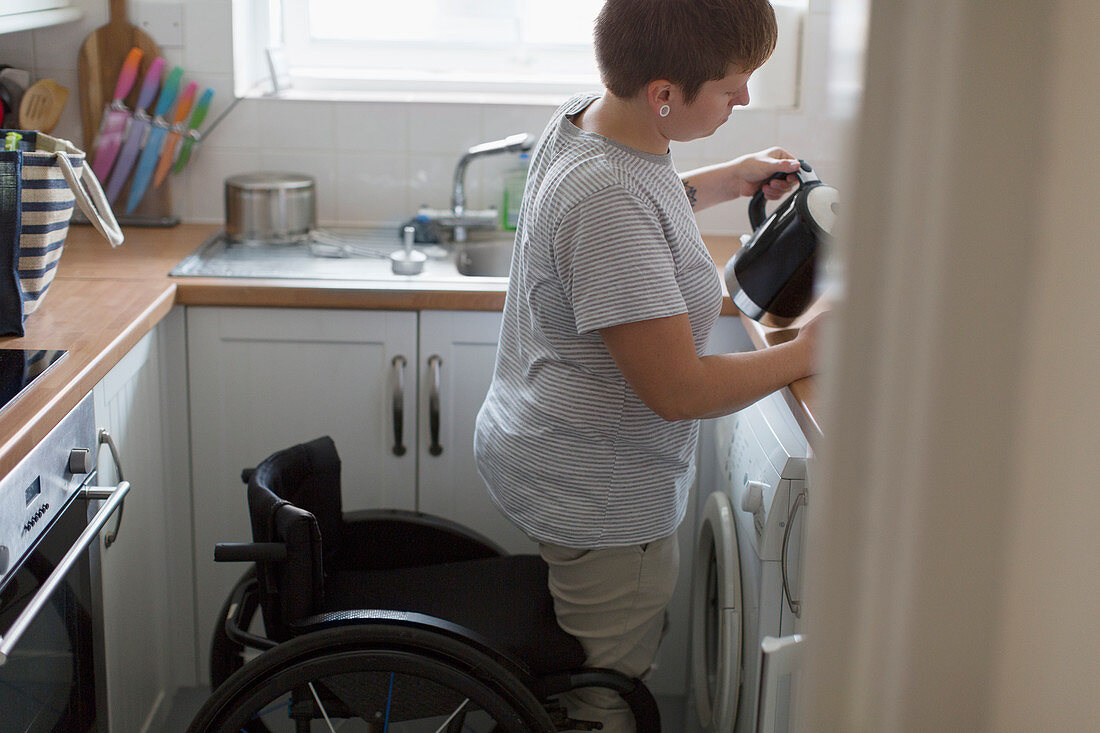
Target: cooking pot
(273, 208)
(771, 278)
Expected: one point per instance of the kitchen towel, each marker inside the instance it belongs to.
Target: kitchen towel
(41, 179)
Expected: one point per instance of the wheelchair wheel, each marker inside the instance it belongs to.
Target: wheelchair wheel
(376, 677)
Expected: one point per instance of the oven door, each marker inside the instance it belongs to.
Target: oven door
(51, 675)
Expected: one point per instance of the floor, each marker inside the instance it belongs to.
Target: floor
(188, 700)
(183, 707)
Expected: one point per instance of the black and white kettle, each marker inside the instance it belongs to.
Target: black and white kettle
(771, 279)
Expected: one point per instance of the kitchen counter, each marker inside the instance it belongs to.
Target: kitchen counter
(103, 301)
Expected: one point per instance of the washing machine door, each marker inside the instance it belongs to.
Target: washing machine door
(716, 622)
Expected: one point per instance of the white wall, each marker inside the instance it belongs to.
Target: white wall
(952, 583)
(378, 162)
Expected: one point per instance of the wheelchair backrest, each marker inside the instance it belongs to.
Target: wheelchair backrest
(294, 498)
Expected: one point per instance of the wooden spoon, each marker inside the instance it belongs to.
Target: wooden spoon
(42, 105)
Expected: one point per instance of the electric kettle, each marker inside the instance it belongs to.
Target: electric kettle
(771, 279)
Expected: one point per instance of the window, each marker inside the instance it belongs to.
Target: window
(511, 51)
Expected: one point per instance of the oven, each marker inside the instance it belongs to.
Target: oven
(51, 641)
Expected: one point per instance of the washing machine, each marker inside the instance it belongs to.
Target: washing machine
(746, 579)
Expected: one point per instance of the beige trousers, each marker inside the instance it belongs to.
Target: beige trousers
(613, 601)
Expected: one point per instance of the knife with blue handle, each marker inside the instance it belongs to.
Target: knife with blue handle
(151, 150)
(139, 126)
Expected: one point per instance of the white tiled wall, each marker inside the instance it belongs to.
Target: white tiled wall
(377, 162)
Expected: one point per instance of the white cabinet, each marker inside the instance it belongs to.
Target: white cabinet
(147, 613)
(25, 15)
(262, 379)
(458, 351)
(267, 378)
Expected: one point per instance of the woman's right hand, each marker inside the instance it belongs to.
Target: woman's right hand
(755, 170)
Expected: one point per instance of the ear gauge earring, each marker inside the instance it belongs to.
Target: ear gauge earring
(664, 110)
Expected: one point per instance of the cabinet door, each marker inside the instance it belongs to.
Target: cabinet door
(263, 379)
(136, 616)
(457, 354)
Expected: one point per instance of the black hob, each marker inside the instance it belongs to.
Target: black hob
(20, 367)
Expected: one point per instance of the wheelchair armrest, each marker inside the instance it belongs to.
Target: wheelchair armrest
(379, 539)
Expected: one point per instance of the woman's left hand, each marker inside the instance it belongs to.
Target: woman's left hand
(755, 168)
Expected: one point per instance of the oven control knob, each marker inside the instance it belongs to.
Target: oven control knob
(80, 461)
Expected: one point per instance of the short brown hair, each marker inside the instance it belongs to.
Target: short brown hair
(688, 42)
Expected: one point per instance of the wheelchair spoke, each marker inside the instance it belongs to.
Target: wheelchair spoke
(321, 707)
(451, 717)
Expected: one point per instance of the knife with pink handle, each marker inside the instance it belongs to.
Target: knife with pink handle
(137, 132)
(115, 116)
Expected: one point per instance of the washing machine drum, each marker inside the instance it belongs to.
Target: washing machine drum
(716, 625)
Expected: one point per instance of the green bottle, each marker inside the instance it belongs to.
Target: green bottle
(515, 179)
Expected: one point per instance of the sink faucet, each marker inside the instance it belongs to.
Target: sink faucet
(521, 142)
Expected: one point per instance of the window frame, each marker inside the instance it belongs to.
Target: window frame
(259, 26)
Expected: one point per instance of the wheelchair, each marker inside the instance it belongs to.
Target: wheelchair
(397, 621)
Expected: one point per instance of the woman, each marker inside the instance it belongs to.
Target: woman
(587, 436)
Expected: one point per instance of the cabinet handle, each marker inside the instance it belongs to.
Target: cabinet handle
(398, 371)
(106, 439)
(434, 365)
(795, 604)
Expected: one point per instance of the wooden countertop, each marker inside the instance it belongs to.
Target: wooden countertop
(103, 301)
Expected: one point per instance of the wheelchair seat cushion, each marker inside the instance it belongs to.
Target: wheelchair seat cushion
(504, 599)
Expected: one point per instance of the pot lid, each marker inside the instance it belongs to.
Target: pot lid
(267, 181)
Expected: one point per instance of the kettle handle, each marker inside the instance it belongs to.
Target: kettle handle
(757, 214)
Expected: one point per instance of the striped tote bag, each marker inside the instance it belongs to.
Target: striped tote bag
(41, 180)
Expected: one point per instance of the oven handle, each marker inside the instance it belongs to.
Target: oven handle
(114, 497)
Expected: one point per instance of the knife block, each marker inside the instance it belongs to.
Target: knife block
(98, 65)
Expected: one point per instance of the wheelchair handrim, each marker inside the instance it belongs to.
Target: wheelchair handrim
(416, 653)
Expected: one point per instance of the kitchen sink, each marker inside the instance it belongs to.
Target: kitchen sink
(353, 254)
(485, 255)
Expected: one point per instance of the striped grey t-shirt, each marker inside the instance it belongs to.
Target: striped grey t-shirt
(605, 236)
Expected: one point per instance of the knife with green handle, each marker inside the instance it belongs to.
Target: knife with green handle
(151, 151)
(191, 137)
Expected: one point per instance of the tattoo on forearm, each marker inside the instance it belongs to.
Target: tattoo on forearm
(691, 192)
